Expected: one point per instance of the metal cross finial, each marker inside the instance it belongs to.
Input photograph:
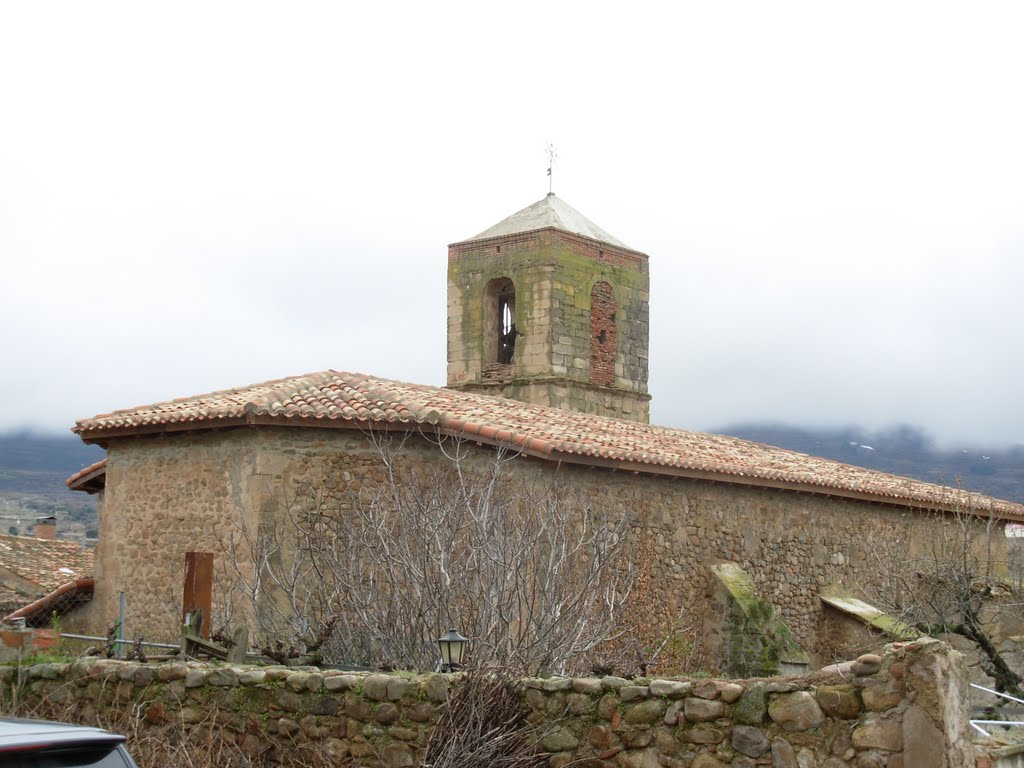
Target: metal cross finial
(552, 158)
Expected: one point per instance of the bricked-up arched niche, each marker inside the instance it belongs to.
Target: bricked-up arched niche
(602, 335)
(500, 321)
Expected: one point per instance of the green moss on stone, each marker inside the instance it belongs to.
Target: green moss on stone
(756, 640)
(872, 616)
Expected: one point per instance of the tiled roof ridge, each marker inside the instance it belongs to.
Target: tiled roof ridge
(338, 398)
(314, 395)
(48, 543)
(167, 406)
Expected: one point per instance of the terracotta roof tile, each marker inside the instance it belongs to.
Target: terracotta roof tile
(10, 600)
(333, 398)
(82, 474)
(39, 561)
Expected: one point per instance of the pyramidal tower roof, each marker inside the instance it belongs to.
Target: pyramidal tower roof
(551, 211)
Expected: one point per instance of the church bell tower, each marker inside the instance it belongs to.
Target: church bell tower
(548, 308)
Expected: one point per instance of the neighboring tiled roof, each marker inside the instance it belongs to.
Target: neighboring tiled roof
(11, 600)
(39, 561)
(336, 399)
(550, 211)
(91, 479)
(63, 599)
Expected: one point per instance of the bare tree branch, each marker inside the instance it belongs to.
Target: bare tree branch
(957, 582)
(535, 577)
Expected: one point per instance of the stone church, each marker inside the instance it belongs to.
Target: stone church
(548, 327)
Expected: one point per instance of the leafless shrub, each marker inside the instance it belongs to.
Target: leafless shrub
(646, 647)
(654, 637)
(956, 581)
(535, 578)
(484, 724)
(277, 569)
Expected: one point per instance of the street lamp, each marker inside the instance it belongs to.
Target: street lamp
(453, 647)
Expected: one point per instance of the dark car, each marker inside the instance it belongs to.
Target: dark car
(41, 744)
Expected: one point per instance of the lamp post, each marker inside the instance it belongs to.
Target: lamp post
(453, 648)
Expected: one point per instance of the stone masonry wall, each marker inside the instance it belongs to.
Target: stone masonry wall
(169, 495)
(164, 498)
(903, 709)
(581, 396)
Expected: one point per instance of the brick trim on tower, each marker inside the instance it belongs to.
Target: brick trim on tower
(602, 334)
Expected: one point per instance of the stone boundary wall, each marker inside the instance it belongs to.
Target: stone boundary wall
(903, 709)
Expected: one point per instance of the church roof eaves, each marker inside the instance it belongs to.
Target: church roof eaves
(358, 401)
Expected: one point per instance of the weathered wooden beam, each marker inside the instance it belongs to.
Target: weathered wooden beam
(198, 592)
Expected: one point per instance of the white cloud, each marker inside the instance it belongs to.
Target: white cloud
(204, 195)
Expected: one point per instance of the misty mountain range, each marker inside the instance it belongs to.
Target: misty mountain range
(901, 450)
(33, 468)
(34, 452)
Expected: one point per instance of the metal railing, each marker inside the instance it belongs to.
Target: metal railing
(977, 724)
(119, 641)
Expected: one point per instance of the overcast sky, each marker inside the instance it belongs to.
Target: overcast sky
(195, 196)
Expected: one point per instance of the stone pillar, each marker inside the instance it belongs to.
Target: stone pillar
(936, 733)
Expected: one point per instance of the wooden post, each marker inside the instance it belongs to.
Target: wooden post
(239, 646)
(198, 588)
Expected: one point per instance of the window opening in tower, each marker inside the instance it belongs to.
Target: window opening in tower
(507, 332)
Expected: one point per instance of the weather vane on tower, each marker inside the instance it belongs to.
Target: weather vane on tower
(552, 158)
